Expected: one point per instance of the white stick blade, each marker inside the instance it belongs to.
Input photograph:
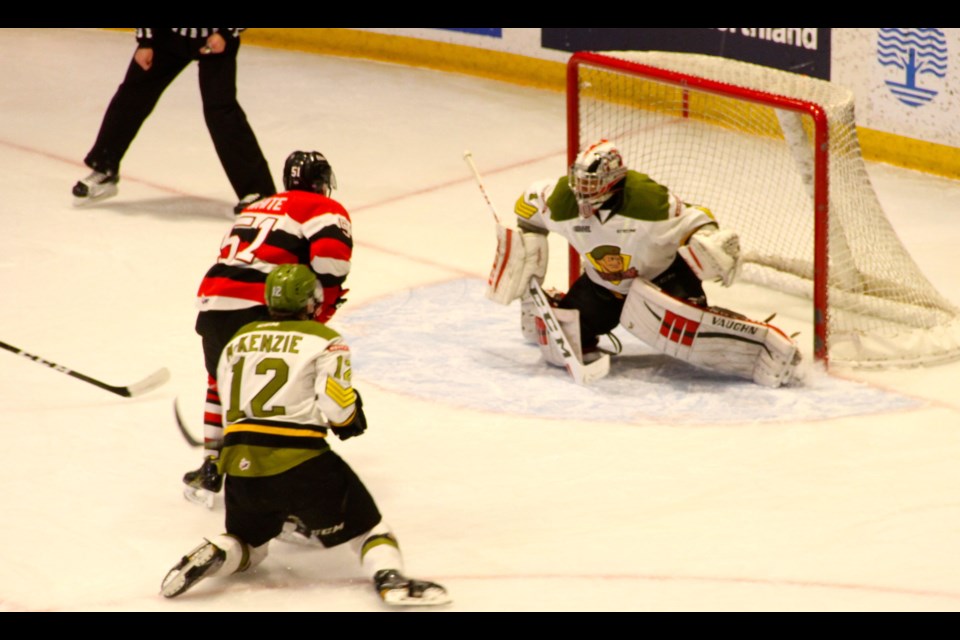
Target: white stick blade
(151, 382)
(595, 370)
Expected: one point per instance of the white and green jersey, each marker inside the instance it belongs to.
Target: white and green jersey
(282, 383)
(639, 239)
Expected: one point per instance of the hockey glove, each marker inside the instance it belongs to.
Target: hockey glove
(326, 310)
(713, 254)
(356, 426)
(206, 477)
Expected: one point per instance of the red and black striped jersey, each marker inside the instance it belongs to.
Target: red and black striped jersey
(286, 228)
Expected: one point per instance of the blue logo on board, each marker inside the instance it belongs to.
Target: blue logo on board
(919, 56)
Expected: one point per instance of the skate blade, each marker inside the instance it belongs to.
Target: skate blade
(200, 497)
(432, 596)
(88, 200)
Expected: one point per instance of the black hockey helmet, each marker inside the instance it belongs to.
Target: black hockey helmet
(308, 171)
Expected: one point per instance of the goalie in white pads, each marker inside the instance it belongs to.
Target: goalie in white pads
(626, 227)
(288, 385)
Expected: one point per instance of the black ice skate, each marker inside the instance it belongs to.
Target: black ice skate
(397, 589)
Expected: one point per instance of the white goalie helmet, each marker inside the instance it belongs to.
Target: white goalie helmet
(594, 174)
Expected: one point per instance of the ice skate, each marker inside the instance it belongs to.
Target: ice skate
(192, 568)
(245, 202)
(95, 187)
(397, 589)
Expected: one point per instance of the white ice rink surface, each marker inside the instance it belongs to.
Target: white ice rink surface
(657, 489)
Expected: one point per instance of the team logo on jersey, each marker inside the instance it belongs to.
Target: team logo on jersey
(610, 264)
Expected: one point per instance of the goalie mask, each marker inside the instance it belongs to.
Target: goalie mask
(291, 288)
(595, 175)
(308, 171)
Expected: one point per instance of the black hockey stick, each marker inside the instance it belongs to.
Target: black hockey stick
(149, 383)
(193, 442)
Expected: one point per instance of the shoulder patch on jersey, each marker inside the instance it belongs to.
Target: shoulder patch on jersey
(523, 208)
(343, 397)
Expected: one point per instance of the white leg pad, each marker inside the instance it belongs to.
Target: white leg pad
(528, 319)
(704, 338)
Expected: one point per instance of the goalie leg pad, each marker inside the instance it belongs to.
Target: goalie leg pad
(528, 319)
(778, 362)
(520, 256)
(713, 340)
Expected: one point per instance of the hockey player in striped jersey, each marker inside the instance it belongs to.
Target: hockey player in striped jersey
(301, 225)
(288, 384)
(645, 254)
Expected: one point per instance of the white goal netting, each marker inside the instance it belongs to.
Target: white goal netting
(754, 166)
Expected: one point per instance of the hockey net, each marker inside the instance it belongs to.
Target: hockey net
(775, 156)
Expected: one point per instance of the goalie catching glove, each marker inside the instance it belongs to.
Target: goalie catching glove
(521, 255)
(713, 254)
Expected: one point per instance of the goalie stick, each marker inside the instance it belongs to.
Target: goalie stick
(581, 373)
(468, 157)
(151, 382)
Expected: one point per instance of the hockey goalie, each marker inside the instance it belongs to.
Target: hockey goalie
(646, 254)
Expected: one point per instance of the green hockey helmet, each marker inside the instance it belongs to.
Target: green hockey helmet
(291, 287)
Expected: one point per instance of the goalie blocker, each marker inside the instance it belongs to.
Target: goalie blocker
(710, 338)
(520, 257)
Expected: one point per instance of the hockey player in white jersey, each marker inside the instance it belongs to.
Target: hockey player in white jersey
(645, 255)
(287, 386)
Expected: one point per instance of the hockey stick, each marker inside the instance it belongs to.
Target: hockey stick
(193, 442)
(149, 383)
(581, 373)
(468, 157)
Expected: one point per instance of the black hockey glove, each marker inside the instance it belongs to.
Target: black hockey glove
(206, 477)
(357, 426)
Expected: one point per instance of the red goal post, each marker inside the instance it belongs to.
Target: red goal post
(775, 155)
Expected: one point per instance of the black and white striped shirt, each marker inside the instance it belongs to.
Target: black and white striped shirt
(146, 34)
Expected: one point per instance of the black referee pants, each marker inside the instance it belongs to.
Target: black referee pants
(135, 99)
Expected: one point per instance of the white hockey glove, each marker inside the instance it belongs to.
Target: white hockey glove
(520, 256)
(713, 254)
